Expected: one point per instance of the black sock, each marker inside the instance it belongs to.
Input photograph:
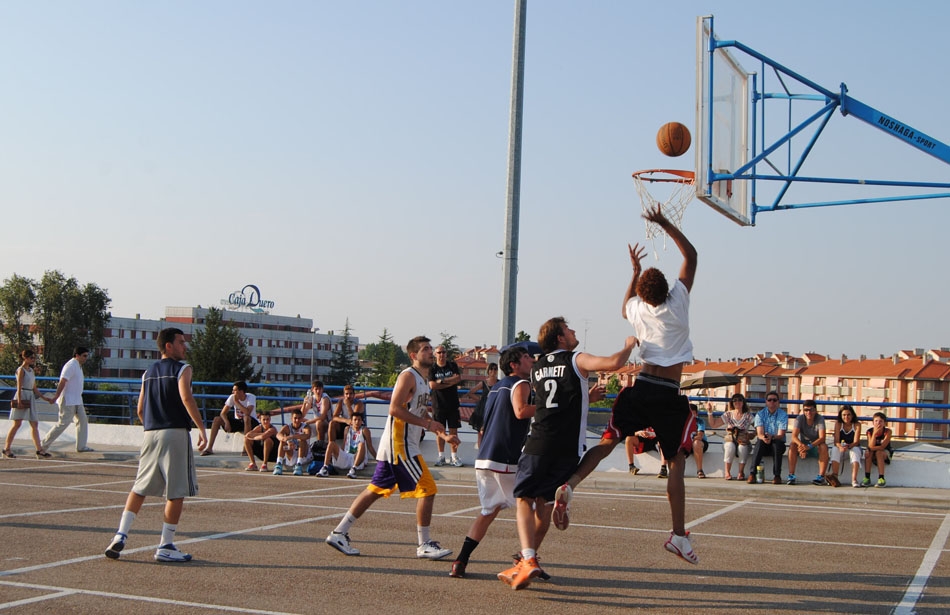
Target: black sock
(867, 475)
(467, 547)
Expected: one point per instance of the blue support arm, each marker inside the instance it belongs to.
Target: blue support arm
(893, 127)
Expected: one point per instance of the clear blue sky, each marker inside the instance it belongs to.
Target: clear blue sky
(349, 158)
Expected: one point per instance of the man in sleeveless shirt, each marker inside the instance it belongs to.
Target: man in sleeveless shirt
(508, 412)
(660, 317)
(444, 379)
(166, 464)
(399, 464)
(556, 438)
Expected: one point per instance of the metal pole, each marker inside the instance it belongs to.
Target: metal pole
(512, 213)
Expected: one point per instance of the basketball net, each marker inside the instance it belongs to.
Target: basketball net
(681, 189)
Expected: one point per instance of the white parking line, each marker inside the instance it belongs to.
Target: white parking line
(919, 582)
(62, 592)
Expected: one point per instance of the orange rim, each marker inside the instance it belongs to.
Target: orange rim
(679, 176)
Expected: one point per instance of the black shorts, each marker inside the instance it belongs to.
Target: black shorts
(237, 425)
(448, 416)
(539, 476)
(653, 402)
(257, 446)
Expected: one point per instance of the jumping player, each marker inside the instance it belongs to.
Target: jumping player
(399, 463)
(660, 318)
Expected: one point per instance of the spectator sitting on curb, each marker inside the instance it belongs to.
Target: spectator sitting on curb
(808, 440)
(260, 441)
(293, 447)
(241, 420)
(351, 456)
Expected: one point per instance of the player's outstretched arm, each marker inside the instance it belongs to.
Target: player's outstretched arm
(636, 256)
(592, 363)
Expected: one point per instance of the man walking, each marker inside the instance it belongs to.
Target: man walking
(166, 462)
(399, 464)
(69, 396)
(444, 380)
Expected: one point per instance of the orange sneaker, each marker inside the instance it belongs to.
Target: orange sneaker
(507, 576)
(528, 569)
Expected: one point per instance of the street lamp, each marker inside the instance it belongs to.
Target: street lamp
(313, 337)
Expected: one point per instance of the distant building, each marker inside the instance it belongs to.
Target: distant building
(283, 348)
(909, 376)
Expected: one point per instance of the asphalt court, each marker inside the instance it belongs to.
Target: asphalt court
(258, 547)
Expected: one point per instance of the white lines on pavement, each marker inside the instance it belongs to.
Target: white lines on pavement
(919, 582)
(62, 592)
(260, 528)
(718, 513)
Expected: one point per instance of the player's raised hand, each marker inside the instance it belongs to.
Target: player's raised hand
(637, 252)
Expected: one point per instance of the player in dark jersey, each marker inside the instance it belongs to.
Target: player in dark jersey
(166, 464)
(556, 439)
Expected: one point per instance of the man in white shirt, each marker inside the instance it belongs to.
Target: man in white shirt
(239, 414)
(69, 396)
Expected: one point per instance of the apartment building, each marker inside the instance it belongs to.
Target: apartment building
(284, 348)
(908, 377)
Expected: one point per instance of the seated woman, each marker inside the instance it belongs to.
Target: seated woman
(738, 423)
(879, 449)
(847, 442)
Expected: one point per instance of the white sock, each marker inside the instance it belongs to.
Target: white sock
(423, 534)
(345, 524)
(168, 534)
(125, 522)
(528, 553)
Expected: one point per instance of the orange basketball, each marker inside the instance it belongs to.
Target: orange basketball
(673, 139)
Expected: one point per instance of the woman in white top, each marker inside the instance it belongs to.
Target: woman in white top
(23, 406)
(738, 422)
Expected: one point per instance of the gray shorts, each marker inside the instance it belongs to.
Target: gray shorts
(166, 465)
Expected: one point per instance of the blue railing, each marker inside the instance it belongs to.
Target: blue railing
(113, 400)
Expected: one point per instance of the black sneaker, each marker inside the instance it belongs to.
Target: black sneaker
(458, 569)
(118, 543)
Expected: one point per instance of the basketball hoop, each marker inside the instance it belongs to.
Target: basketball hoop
(681, 189)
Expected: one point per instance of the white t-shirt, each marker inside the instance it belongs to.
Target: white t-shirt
(663, 331)
(250, 402)
(72, 392)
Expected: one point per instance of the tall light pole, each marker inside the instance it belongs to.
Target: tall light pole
(313, 337)
(512, 213)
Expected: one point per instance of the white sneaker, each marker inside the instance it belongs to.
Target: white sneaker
(432, 550)
(324, 472)
(562, 506)
(440, 462)
(341, 542)
(170, 553)
(679, 545)
(856, 484)
(457, 462)
(352, 473)
(115, 548)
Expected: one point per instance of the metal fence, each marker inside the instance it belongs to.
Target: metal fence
(114, 400)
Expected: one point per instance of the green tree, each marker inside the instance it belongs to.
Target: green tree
(218, 353)
(388, 359)
(16, 303)
(451, 348)
(522, 337)
(65, 314)
(613, 387)
(344, 366)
